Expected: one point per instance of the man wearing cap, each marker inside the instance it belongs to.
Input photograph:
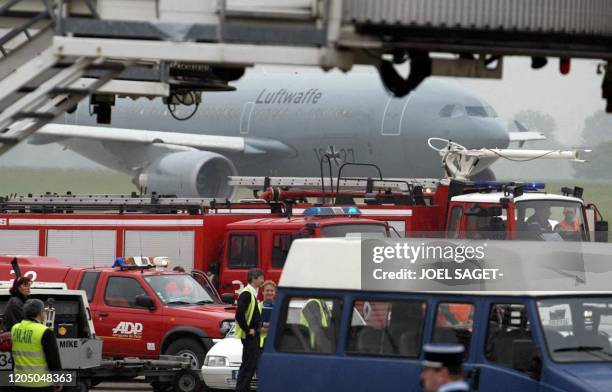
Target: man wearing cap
(443, 368)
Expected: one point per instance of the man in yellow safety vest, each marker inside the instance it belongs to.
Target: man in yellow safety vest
(316, 316)
(34, 350)
(248, 325)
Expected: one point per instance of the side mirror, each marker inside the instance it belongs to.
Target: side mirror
(144, 301)
(601, 231)
(227, 298)
(526, 358)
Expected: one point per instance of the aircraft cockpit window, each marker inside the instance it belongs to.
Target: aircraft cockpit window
(480, 111)
(452, 111)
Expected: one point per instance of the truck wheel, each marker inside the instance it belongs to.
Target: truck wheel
(189, 348)
(81, 386)
(162, 387)
(188, 381)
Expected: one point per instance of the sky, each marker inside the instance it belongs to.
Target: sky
(568, 98)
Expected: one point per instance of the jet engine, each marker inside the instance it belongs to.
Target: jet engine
(189, 174)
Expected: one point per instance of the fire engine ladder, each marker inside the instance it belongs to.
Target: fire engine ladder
(345, 184)
(119, 203)
(37, 84)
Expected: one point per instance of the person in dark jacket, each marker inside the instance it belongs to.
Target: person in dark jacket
(248, 320)
(13, 312)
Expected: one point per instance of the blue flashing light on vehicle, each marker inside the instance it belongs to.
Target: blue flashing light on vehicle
(332, 211)
(527, 186)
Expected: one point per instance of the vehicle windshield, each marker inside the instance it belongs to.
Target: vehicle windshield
(577, 329)
(550, 220)
(179, 290)
(344, 229)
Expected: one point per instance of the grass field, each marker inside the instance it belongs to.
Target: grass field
(27, 180)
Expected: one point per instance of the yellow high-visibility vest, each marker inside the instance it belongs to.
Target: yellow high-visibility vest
(28, 354)
(324, 318)
(238, 332)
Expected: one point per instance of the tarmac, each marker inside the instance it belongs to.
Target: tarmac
(121, 386)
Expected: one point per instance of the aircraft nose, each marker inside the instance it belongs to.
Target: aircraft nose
(494, 133)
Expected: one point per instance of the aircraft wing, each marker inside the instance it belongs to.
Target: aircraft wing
(522, 137)
(52, 133)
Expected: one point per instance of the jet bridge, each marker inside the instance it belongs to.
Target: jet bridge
(57, 52)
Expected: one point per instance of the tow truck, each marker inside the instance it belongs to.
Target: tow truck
(69, 315)
(138, 307)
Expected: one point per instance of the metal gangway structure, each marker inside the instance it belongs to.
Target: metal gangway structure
(54, 53)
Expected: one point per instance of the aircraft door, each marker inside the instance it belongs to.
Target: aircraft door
(393, 115)
(245, 118)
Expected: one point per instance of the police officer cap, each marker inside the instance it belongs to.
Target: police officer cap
(442, 355)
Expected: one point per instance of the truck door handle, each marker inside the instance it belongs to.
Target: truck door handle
(103, 314)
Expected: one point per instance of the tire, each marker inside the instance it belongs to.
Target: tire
(162, 387)
(188, 381)
(190, 348)
(81, 386)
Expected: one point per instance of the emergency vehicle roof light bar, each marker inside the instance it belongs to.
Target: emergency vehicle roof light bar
(331, 211)
(499, 185)
(345, 184)
(460, 163)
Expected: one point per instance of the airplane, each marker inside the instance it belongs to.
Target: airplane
(282, 124)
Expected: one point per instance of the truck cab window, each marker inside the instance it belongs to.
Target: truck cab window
(122, 292)
(243, 251)
(387, 328)
(486, 226)
(509, 327)
(280, 248)
(454, 324)
(310, 325)
(550, 220)
(89, 282)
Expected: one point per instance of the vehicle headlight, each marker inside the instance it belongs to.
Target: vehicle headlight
(225, 326)
(216, 361)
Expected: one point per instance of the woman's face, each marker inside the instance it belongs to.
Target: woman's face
(24, 289)
(269, 293)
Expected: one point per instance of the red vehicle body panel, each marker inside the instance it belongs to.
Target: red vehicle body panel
(147, 331)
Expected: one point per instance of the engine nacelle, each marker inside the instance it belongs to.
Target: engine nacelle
(190, 174)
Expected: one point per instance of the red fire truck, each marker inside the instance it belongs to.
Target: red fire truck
(226, 239)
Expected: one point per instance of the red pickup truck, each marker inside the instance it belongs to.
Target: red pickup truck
(140, 311)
